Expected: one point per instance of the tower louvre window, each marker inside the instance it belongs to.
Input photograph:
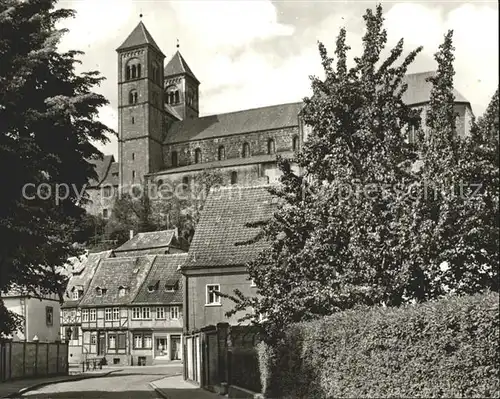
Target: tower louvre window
(134, 71)
(132, 97)
(127, 73)
(139, 70)
(177, 100)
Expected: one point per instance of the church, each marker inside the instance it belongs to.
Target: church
(162, 139)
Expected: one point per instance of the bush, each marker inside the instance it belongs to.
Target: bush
(445, 348)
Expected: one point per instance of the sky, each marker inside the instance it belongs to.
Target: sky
(253, 53)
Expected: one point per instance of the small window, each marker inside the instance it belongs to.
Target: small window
(271, 148)
(75, 295)
(185, 181)
(49, 315)
(222, 153)
(93, 314)
(197, 156)
(174, 313)
(133, 175)
(93, 339)
(127, 72)
(245, 153)
(133, 156)
(174, 158)
(160, 312)
(105, 214)
(108, 314)
(133, 120)
(98, 291)
(116, 313)
(295, 143)
(234, 177)
(212, 294)
(139, 70)
(121, 291)
(85, 315)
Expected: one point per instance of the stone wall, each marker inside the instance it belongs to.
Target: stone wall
(233, 146)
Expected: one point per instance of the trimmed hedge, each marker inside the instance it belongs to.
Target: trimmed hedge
(438, 349)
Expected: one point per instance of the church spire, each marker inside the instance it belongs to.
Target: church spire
(140, 36)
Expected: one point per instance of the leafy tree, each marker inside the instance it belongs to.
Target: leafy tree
(488, 124)
(335, 238)
(47, 127)
(453, 223)
(164, 207)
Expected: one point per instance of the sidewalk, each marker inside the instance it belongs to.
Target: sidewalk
(14, 389)
(176, 388)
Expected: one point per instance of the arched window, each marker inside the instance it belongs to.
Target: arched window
(139, 70)
(127, 72)
(245, 153)
(174, 158)
(222, 153)
(234, 177)
(132, 97)
(271, 149)
(295, 143)
(197, 156)
(134, 71)
(177, 100)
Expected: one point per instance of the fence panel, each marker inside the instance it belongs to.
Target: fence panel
(32, 359)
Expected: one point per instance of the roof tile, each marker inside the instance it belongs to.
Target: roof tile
(223, 225)
(165, 271)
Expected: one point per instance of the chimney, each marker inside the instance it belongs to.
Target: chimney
(131, 234)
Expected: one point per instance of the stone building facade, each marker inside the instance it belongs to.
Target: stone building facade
(164, 140)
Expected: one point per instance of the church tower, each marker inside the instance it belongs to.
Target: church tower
(181, 88)
(140, 106)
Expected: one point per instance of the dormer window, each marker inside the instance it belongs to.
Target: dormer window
(153, 287)
(75, 295)
(171, 285)
(122, 291)
(98, 291)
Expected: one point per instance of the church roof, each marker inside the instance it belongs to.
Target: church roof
(254, 159)
(139, 37)
(419, 90)
(223, 227)
(107, 171)
(247, 121)
(177, 66)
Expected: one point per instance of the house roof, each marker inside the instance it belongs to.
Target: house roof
(139, 37)
(178, 66)
(149, 241)
(82, 274)
(256, 159)
(419, 90)
(115, 273)
(165, 271)
(223, 225)
(246, 121)
(106, 170)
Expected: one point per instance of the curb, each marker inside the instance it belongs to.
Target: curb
(158, 390)
(70, 379)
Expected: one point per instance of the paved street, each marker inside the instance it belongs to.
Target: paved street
(129, 383)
